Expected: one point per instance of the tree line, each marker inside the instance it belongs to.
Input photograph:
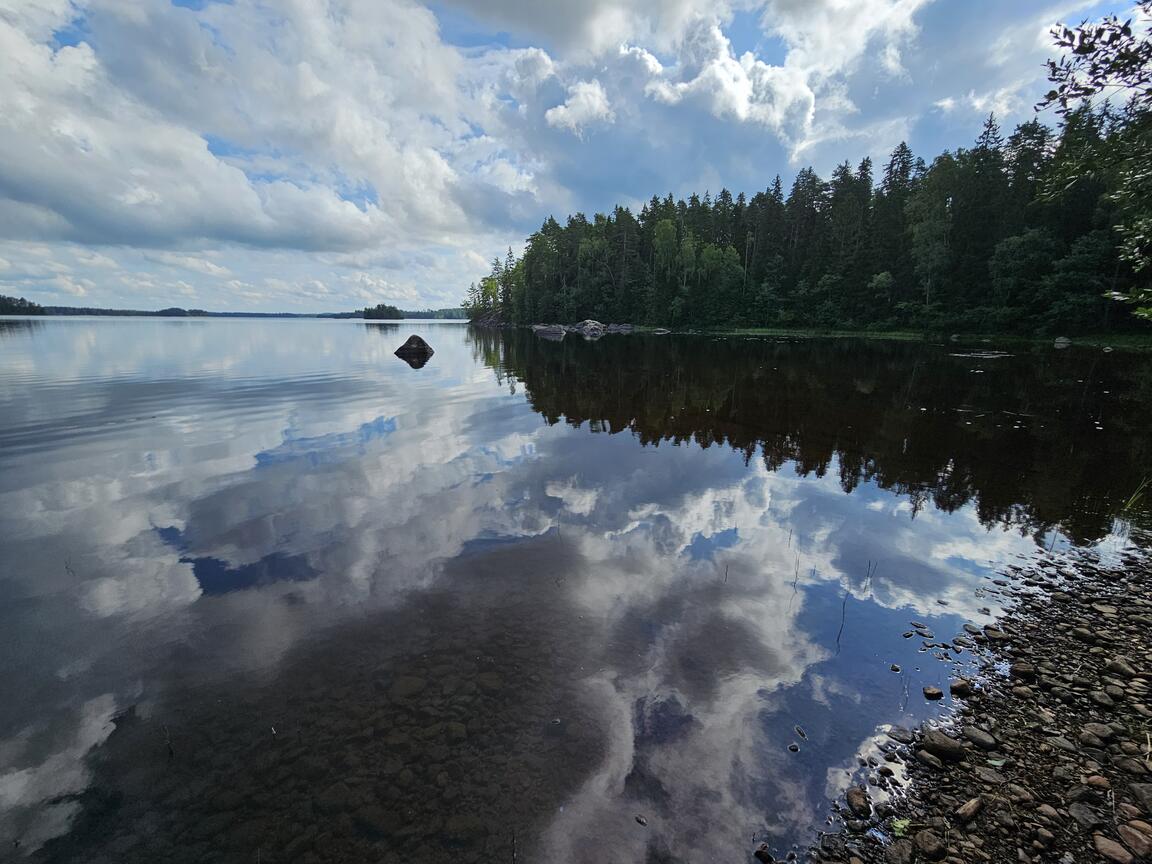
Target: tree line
(977, 240)
(19, 306)
(1035, 232)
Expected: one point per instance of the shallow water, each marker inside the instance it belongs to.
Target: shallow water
(268, 593)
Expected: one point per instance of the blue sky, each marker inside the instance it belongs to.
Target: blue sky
(316, 156)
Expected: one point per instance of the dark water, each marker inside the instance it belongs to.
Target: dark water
(269, 594)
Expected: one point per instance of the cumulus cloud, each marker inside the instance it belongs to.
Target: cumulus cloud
(587, 104)
(182, 148)
(742, 88)
(189, 262)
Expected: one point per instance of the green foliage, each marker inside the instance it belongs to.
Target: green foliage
(19, 306)
(1111, 58)
(982, 240)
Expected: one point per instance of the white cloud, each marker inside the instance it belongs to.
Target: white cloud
(91, 258)
(246, 140)
(189, 262)
(587, 104)
(69, 285)
(743, 89)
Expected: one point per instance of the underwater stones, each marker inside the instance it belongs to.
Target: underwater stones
(464, 828)
(407, 686)
(376, 821)
(336, 798)
(490, 682)
(456, 731)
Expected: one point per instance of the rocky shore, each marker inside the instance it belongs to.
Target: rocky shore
(1048, 754)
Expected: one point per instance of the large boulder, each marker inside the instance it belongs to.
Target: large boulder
(554, 332)
(589, 329)
(415, 352)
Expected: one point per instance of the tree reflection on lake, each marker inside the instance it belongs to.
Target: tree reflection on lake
(269, 593)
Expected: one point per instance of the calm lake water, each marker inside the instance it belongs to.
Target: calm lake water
(269, 594)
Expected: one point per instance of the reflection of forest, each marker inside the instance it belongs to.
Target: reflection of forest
(17, 327)
(1036, 441)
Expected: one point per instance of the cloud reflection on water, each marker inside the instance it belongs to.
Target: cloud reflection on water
(709, 588)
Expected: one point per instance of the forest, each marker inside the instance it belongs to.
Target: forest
(1011, 234)
(19, 306)
(382, 312)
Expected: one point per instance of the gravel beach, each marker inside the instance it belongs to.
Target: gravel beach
(1047, 756)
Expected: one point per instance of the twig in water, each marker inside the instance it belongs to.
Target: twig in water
(725, 574)
(843, 614)
(68, 567)
(168, 741)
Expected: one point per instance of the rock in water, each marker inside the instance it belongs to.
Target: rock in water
(944, 747)
(415, 352)
(858, 802)
(589, 329)
(551, 332)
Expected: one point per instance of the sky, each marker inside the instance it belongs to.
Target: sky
(306, 156)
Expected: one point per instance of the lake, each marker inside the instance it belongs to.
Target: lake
(267, 593)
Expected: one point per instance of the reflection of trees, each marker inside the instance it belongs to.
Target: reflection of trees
(18, 327)
(1020, 439)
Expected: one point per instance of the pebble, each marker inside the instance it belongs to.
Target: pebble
(930, 845)
(1138, 841)
(1112, 850)
(960, 687)
(933, 693)
(967, 811)
(1084, 815)
(979, 737)
(1121, 666)
(901, 735)
(929, 760)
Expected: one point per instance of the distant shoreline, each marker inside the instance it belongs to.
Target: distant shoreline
(176, 312)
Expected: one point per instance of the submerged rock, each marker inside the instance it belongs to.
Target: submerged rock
(415, 352)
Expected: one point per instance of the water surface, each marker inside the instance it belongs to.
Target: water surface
(268, 593)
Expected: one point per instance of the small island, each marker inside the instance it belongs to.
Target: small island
(382, 312)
